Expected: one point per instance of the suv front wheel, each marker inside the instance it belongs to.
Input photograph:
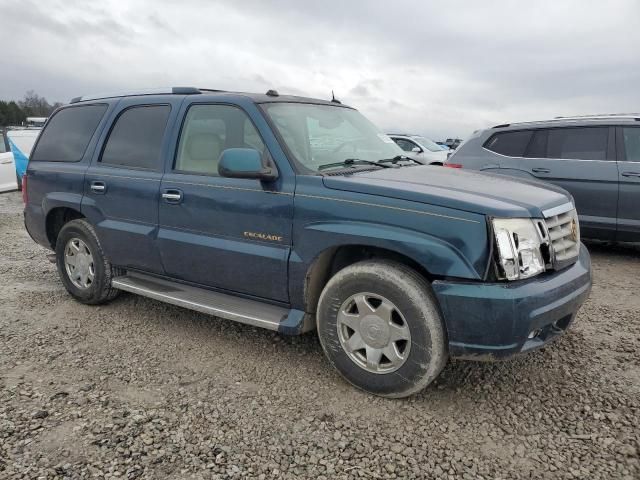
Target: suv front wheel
(85, 271)
(380, 327)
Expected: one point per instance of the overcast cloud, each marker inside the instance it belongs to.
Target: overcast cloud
(437, 68)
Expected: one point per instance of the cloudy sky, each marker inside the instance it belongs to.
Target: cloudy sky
(441, 68)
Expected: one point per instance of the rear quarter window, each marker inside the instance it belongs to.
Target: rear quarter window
(67, 134)
(512, 144)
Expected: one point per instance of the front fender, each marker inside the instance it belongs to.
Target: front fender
(435, 255)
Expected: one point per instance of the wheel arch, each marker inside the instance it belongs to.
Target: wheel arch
(56, 218)
(333, 259)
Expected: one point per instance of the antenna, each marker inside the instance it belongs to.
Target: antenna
(334, 99)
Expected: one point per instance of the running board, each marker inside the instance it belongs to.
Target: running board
(251, 312)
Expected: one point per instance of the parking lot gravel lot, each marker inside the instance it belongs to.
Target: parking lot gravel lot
(140, 389)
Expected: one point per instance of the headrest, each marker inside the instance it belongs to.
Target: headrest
(204, 146)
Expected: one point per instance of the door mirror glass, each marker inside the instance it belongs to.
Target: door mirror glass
(245, 163)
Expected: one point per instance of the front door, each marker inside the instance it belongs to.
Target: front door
(582, 161)
(123, 182)
(629, 171)
(226, 233)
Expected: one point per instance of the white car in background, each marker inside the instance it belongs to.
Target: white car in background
(420, 148)
(15, 148)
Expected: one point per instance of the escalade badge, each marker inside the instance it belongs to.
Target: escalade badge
(263, 236)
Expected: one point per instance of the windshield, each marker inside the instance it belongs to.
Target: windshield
(323, 134)
(429, 144)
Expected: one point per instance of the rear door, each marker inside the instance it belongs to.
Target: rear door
(226, 233)
(122, 184)
(629, 175)
(582, 161)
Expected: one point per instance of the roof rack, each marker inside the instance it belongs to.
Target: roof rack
(626, 116)
(600, 115)
(150, 91)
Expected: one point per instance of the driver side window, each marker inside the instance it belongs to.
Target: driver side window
(208, 130)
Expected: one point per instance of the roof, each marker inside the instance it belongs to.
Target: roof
(270, 96)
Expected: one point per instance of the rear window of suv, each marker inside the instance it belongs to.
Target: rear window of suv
(512, 144)
(67, 134)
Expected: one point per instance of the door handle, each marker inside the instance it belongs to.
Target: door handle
(172, 196)
(98, 187)
(630, 174)
(540, 170)
(7, 161)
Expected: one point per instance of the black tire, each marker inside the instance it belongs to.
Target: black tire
(19, 181)
(413, 297)
(100, 290)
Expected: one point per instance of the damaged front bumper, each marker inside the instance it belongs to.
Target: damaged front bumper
(491, 321)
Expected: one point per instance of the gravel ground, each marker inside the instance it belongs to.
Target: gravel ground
(139, 389)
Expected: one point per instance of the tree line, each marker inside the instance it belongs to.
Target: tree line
(32, 105)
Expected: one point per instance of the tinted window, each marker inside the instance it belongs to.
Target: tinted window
(538, 145)
(67, 134)
(512, 144)
(631, 138)
(405, 145)
(136, 138)
(578, 143)
(210, 129)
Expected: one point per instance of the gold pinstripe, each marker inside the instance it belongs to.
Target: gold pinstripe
(387, 206)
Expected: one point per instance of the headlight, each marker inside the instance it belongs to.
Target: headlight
(518, 245)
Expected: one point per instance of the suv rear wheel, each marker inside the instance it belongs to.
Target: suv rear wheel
(380, 327)
(85, 271)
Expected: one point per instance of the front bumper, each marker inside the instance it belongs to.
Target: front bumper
(490, 321)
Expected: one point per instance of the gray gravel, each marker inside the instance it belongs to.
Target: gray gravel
(139, 389)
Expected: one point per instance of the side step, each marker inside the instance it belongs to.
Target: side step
(252, 312)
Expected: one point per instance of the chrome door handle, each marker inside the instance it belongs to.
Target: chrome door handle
(172, 196)
(630, 174)
(540, 170)
(98, 187)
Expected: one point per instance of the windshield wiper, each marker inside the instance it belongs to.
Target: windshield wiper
(399, 158)
(352, 161)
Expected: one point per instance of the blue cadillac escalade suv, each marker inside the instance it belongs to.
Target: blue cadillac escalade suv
(296, 214)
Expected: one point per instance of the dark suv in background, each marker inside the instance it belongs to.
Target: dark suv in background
(595, 158)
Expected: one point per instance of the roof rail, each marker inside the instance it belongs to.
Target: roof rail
(150, 91)
(600, 115)
(625, 116)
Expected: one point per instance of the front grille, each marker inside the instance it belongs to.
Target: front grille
(564, 234)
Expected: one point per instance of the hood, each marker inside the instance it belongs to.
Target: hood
(483, 193)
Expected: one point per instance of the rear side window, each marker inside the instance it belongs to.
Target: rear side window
(136, 138)
(67, 134)
(588, 143)
(512, 144)
(631, 138)
(538, 145)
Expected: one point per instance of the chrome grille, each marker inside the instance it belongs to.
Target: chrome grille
(564, 234)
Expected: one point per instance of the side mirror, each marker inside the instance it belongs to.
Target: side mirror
(245, 163)
(416, 150)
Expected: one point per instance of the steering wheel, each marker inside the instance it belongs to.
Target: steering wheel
(353, 144)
